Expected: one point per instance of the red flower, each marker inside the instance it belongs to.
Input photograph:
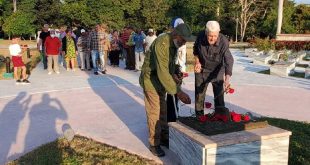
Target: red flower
(231, 90)
(185, 74)
(219, 117)
(208, 105)
(245, 117)
(235, 117)
(203, 118)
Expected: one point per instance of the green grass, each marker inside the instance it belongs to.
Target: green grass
(80, 150)
(299, 149)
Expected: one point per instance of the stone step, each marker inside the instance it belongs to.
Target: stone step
(299, 69)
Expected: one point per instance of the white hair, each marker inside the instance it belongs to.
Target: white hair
(213, 26)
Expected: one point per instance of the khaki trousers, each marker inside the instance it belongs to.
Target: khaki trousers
(156, 112)
(52, 59)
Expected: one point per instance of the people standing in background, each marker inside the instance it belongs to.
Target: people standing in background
(149, 39)
(106, 44)
(124, 39)
(96, 47)
(52, 45)
(131, 49)
(139, 41)
(115, 49)
(43, 35)
(82, 44)
(69, 50)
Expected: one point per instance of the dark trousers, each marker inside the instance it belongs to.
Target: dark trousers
(131, 58)
(172, 108)
(44, 59)
(114, 57)
(201, 85)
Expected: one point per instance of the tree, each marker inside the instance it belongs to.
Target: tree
(19, 23)
(154, 13)
(48, 12)
(267, 25)
(248, 8)
(196, 13)
(301, 19)
(68, 10)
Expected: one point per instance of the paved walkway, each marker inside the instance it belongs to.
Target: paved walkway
(110, 108)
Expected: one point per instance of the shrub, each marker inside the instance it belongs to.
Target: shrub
(264, 44)
(292, 45)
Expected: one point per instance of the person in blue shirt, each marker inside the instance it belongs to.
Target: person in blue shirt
(139, 40)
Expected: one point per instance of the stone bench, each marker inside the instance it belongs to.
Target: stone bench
(282, 68)
(262, 60)
(262, 146)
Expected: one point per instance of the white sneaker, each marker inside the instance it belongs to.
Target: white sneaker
(49, 72)
(73, 70)
(58, 72)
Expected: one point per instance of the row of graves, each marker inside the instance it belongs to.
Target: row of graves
(282, 63)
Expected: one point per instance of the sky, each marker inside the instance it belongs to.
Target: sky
(302, 1)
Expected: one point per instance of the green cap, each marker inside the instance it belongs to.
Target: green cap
(185, 32)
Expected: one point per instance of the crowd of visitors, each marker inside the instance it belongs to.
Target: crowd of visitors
(94, 49)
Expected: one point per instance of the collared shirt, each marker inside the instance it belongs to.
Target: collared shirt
(52, 45)
(83, 43)
(159, 66)
(125, 38)
(130, 41)
(148, 41)
(95, 41)
(219, 53)
(139, 40)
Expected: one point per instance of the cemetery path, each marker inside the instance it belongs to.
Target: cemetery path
(110, 108)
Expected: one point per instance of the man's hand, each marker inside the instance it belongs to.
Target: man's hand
(63, 53)
(176, 79)
(226, 81)
(197, 67)
(184, 97)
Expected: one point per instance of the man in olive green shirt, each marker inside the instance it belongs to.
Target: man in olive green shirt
(157, 78)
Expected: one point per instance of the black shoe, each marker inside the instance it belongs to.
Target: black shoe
(164, 143)
(103, 72)
(25, 81)
(96, 73)
(199, 113)
(157, 151)
(89, 69)
(18, 81)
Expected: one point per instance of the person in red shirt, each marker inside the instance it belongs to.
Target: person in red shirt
(52, 45)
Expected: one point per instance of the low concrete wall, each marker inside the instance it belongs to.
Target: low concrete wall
(293, 37)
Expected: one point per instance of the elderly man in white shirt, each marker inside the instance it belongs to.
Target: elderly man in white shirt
(149, 39)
